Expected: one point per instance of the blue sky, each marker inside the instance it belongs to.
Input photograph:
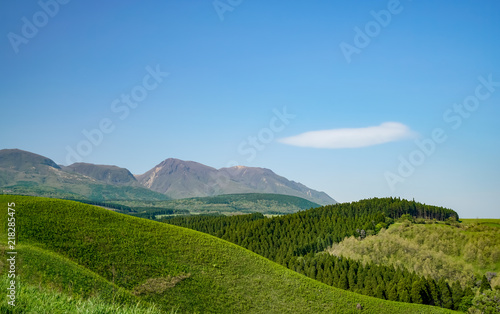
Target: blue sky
(247, 79)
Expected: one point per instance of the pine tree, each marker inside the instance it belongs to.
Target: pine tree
(457, 294)
(311, 272)
(403, 294)
(446, 297)
(351, 277)
(370, 286)
(367, 290)
(416, 292)
(328, 276)
(360, 278)
(426, 291)
(343, 282)
(485, 285)
(434, 294)
(392, 293)
(379, 292)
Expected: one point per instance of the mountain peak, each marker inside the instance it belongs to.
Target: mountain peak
(183, 179)
(173, 177)
(20, 160)
(172, 162)
(103, 173)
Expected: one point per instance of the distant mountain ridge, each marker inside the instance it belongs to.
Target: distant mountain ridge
(182, 179)
(19, 160)
(104, 173)
(26, 173)
(23, 172)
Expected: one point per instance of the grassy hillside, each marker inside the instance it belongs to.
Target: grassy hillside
(453, 252)
(228, 204)
(104, 173)
(298, 241)
(33, 299)
(168, 266)
(487, 222)
(50, 283)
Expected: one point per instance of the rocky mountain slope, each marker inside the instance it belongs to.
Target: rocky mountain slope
(181, 179)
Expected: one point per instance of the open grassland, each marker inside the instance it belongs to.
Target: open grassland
(487, 222)
(169, 267)
(453, 252)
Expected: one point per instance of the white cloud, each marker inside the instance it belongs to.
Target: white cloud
(352, 137)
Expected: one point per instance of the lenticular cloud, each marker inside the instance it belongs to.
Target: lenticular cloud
(352, 137)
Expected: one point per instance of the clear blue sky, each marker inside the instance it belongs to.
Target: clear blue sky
(65, 68)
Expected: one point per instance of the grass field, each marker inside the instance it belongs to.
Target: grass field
(487, 222)
(65, 245)
(33, 299)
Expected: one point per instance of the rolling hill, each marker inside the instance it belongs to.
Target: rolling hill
(298, 241)
(166, 266)
(103, 173)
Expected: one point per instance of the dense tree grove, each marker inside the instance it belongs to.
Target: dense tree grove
(313, 230)
(298, 241)
(381, 281)
(122, 208)
(153, 212)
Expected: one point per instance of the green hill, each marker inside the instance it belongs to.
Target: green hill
(454, 252)
(19, 160)
(104, 173)
(33, 299)
(298, 241)
(64, 283)
(171, 267)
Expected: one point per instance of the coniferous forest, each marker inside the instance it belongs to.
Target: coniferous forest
(298, 241)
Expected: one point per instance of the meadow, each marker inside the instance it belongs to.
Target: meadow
(167, 267)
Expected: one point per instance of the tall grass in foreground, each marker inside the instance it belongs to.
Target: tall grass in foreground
(31, 299)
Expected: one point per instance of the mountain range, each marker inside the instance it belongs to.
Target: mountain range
(182, 179)
(23, 172)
